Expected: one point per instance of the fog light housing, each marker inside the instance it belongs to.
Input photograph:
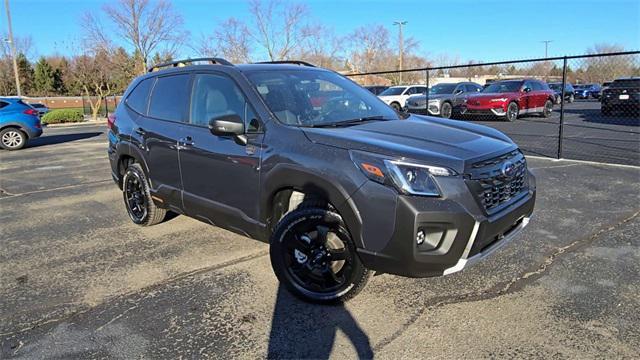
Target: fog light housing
(420, 236)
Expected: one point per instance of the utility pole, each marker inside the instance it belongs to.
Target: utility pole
(12, 45)
(401, 43)
(546, 47)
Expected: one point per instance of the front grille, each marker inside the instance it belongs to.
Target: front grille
(493, 188)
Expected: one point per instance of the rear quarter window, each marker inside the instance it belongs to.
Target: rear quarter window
(170, 97)
(138, 99)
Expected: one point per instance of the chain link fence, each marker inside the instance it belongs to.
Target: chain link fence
(577, 107)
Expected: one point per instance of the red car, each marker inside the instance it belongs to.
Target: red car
(510, 98)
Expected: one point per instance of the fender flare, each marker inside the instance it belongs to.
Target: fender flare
(292, 177)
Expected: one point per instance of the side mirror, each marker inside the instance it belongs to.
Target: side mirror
(458, 92)
(229, 125)
(526, 90)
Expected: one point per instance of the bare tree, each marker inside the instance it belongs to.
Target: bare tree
(607, 68)
(146, 26)
(368, 49)
(93, 73)
(231, 40)
(279, 27)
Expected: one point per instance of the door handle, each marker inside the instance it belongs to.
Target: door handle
(140, 131)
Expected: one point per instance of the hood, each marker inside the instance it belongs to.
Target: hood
(430, 140)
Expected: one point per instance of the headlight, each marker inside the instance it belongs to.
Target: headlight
(406, 177)
(499, 100)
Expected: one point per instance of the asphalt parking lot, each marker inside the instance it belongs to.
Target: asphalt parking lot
(588, 135)
(79, 280)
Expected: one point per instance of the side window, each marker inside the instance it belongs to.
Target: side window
(138, 99)
(472, 88)
(3, 104)
(459, 89)
(215, 96)
(411, 91)
(422, 90)
(527, 85)
(170, 97)
(537, 85)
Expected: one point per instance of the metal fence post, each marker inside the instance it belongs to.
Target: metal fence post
(426, 95)
(561, 127)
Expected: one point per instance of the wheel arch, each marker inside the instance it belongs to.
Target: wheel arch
(286, 181)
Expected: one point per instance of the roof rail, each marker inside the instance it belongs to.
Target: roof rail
(185, 62)
(295, 62)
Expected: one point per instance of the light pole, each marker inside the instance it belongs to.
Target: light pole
(12, 45)
(546, 47)
(400, 25)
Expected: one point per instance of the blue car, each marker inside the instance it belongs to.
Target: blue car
(19, 123)
(586, 91)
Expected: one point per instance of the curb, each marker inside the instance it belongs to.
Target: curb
(84, 123)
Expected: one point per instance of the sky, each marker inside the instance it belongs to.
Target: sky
(472, 30)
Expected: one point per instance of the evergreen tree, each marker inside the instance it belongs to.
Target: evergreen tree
(44, 78)
(25, 72)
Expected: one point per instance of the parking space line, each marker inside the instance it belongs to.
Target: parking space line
(57, 188)
(583, 162)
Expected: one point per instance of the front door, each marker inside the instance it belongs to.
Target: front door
(220, 175)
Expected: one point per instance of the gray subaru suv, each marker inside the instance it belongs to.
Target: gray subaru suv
(338, 183)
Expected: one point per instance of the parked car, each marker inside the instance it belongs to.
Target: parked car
(569, 95)
(605, 85)
(376, 89)
(42, 108)
(338, 191)
(622, 95)
(585, 91)
(445, 100)
(396, 96)
(19, 123)
(509, 99)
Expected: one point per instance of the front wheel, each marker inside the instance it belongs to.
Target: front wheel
(512, 111)
(548, 109)
(396, 106)
(137, 198)
(12, 139)
(446, 110)
(572, 98)
(314, 257)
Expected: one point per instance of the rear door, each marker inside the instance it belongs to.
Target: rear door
(539, 94)
(220, 175)
(160, 130)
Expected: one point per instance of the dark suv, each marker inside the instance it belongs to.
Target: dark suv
(303, 158)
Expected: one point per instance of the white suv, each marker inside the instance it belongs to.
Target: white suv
(396, 96)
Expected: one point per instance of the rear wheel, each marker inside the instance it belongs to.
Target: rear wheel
(548, 109)
(137, 199)
(446, 110)
(12, 139)
(572, 98)
(314, 257)
(396, 106)
(512, 111)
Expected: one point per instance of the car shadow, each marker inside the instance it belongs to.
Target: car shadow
(305, 331)
(62, 138)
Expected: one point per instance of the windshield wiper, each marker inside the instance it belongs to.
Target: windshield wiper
(351, 121)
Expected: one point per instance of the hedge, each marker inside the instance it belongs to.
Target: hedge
(62, 116)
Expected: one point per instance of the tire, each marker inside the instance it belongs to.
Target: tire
(547, 109)
(572, 98)
(512, 111)
(302, 248)
(446, 110)
(396, 106)
(137, 199)
(12, 139)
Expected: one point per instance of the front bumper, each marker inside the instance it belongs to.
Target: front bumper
(457, 234)
(498, 110)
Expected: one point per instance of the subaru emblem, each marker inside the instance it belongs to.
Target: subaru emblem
(508, 169)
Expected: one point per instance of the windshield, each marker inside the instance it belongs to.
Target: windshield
(393, 91)
(503, 87)
(556, 86)
(317, 98)
(442, 89)
(581, 86)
